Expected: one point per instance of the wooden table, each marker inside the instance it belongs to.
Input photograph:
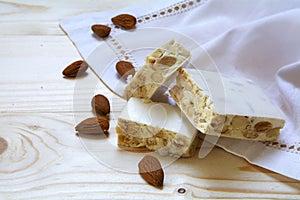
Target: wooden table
(45, 160)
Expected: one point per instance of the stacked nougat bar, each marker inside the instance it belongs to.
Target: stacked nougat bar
(210, 103)
(159, 66)
(156, 126)
(235, 107)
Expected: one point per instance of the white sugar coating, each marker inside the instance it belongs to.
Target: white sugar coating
(235, 95)
(159, 115)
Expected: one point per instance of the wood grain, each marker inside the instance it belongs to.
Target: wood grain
(40, 156)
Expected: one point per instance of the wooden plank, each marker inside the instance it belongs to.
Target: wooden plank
(32, 28)
(44, 162)
(33, 75)
(33, 46)
(34, 17)
(32, 10)
(54, 95)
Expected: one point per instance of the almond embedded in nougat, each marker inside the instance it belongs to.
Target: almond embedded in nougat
(167, 61)
(125, 21)
(100, 105)
(151, 171)
(76, 68)
(93, 126)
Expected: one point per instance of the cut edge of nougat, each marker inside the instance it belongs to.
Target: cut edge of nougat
(158, 68)
(198, 108)
(165, 142)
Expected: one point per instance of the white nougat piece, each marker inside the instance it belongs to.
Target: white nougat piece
(159, 66)
(231, 106)
(158, 127)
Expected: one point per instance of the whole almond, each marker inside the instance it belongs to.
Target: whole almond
(94, 125)
(76, 68)
(100, 105)
(151, 171)
(125, 68)
(125, 21)
(101, 30)
(3, 145)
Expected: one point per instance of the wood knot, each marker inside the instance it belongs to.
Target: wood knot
(3, 145)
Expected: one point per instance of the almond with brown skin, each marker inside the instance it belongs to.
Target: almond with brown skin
(100, 105)
(151, 171)
(93, 126)
(3, 145)
(76, 68)
(101, 30)
(125, 21)
(125, 68)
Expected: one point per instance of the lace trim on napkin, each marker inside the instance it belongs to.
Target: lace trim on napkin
(174, 9)
(291, 148)
(171, 10)
(177, 8)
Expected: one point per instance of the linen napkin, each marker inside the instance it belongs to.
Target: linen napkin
(255, 39)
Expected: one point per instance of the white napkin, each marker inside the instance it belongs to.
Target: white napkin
(256, 39)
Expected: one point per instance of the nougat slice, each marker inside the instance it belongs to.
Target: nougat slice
(228, 106)
(158, 127)
(158, 68)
